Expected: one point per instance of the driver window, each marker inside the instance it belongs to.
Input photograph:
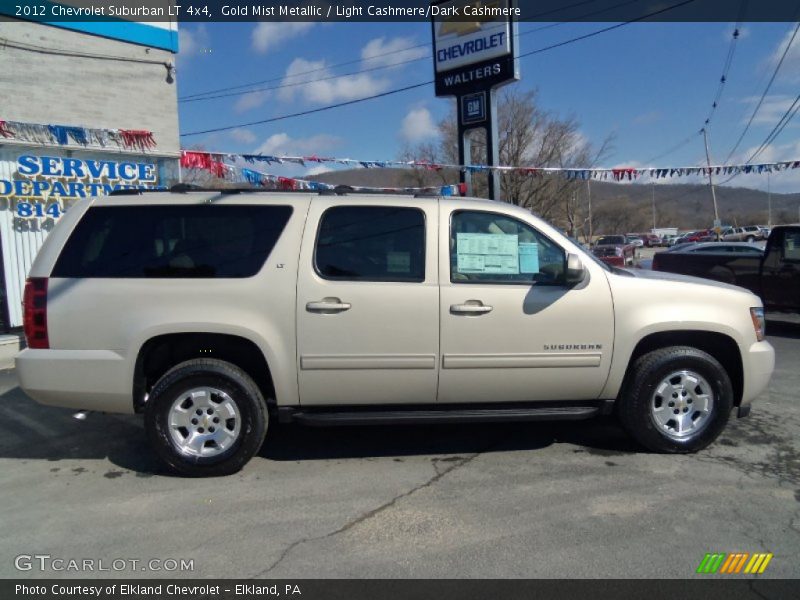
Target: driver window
(492, 248)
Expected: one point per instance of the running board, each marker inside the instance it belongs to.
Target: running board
(327, 418)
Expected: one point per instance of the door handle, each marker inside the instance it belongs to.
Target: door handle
(328, 306)
(471, 307)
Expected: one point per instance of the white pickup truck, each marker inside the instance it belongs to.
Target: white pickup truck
(216, 313)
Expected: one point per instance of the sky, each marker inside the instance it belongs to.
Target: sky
(650, 85)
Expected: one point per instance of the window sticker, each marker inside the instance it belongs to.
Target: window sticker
(528, 257)
(488, 253)
(398, 262)
(791, 250)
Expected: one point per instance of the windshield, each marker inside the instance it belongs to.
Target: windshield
(610, 240)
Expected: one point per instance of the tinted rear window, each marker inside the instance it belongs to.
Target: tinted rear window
(204, 241)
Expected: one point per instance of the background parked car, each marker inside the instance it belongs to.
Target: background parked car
(719, 248)
(651, 240)
(634, 240)
(730, 234)
(682, 238)
(748, 233)
(614, 250)
(752, 233)
(704, 235)
(773, 274)
(667, 240)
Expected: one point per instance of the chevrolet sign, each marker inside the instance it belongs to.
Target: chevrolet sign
(473, 43)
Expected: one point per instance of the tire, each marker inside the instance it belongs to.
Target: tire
(651, 383)
(750, 239)
(227, 433)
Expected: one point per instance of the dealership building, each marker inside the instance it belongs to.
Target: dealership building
(87, 108)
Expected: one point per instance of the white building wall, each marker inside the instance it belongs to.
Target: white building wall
(52, 89)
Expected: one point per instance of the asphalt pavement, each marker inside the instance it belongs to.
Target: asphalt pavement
(514, 500)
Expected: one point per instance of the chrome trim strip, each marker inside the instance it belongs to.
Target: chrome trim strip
(315, 362)
(521, 361)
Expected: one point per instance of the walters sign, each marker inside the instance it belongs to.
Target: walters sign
(473, 45)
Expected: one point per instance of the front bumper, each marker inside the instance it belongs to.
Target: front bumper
(614, 261)
(758, 364)
(96, 380)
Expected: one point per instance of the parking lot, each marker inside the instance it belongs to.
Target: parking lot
(522, 500)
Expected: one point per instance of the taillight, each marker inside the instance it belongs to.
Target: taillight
(35, 312)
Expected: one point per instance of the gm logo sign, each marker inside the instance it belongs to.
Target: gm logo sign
(473, 108)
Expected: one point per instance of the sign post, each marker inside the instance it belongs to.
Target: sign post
(474, 53)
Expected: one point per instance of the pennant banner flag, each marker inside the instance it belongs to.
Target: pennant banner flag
(211, 161)
(129, 139)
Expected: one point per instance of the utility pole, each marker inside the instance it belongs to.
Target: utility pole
(711, 181)
(654, 206)
(769, 201)
(589, 198)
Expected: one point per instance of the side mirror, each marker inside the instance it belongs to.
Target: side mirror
(575, 269)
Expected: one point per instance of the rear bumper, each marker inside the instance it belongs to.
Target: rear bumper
(97, 380)
(758, 363)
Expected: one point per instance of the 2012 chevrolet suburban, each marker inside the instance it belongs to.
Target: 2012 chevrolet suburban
(217, 313)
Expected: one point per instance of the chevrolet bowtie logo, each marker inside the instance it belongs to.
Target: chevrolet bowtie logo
(454, 24)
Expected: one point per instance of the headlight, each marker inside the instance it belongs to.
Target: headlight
(759, 323)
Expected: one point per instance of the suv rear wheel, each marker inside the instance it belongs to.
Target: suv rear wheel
(206, 417)
(676, 400)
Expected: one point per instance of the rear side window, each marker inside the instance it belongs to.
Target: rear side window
(371, 243)
(205, 241)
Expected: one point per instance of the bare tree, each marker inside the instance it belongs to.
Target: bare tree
(420, 176)
(620, 215)
(531, 137)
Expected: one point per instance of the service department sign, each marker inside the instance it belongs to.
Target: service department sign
(42, 188)
(473, 45)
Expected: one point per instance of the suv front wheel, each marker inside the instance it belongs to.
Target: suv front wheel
(676, 400)
(206, 417)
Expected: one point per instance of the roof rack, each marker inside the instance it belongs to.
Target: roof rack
(339, 190)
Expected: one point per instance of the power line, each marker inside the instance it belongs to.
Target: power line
(728, 61)
(418, 85)
(772, 135)
(199, 95)
(301, 83)
(191, 97)
(243, 88)
(674, 148)
(779, 127)
(723, 79)
(241, 92)
(764, 94)
(312, 111)
(606, 29)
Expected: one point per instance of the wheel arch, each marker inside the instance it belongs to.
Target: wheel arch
(161, 352)
(719, 345)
